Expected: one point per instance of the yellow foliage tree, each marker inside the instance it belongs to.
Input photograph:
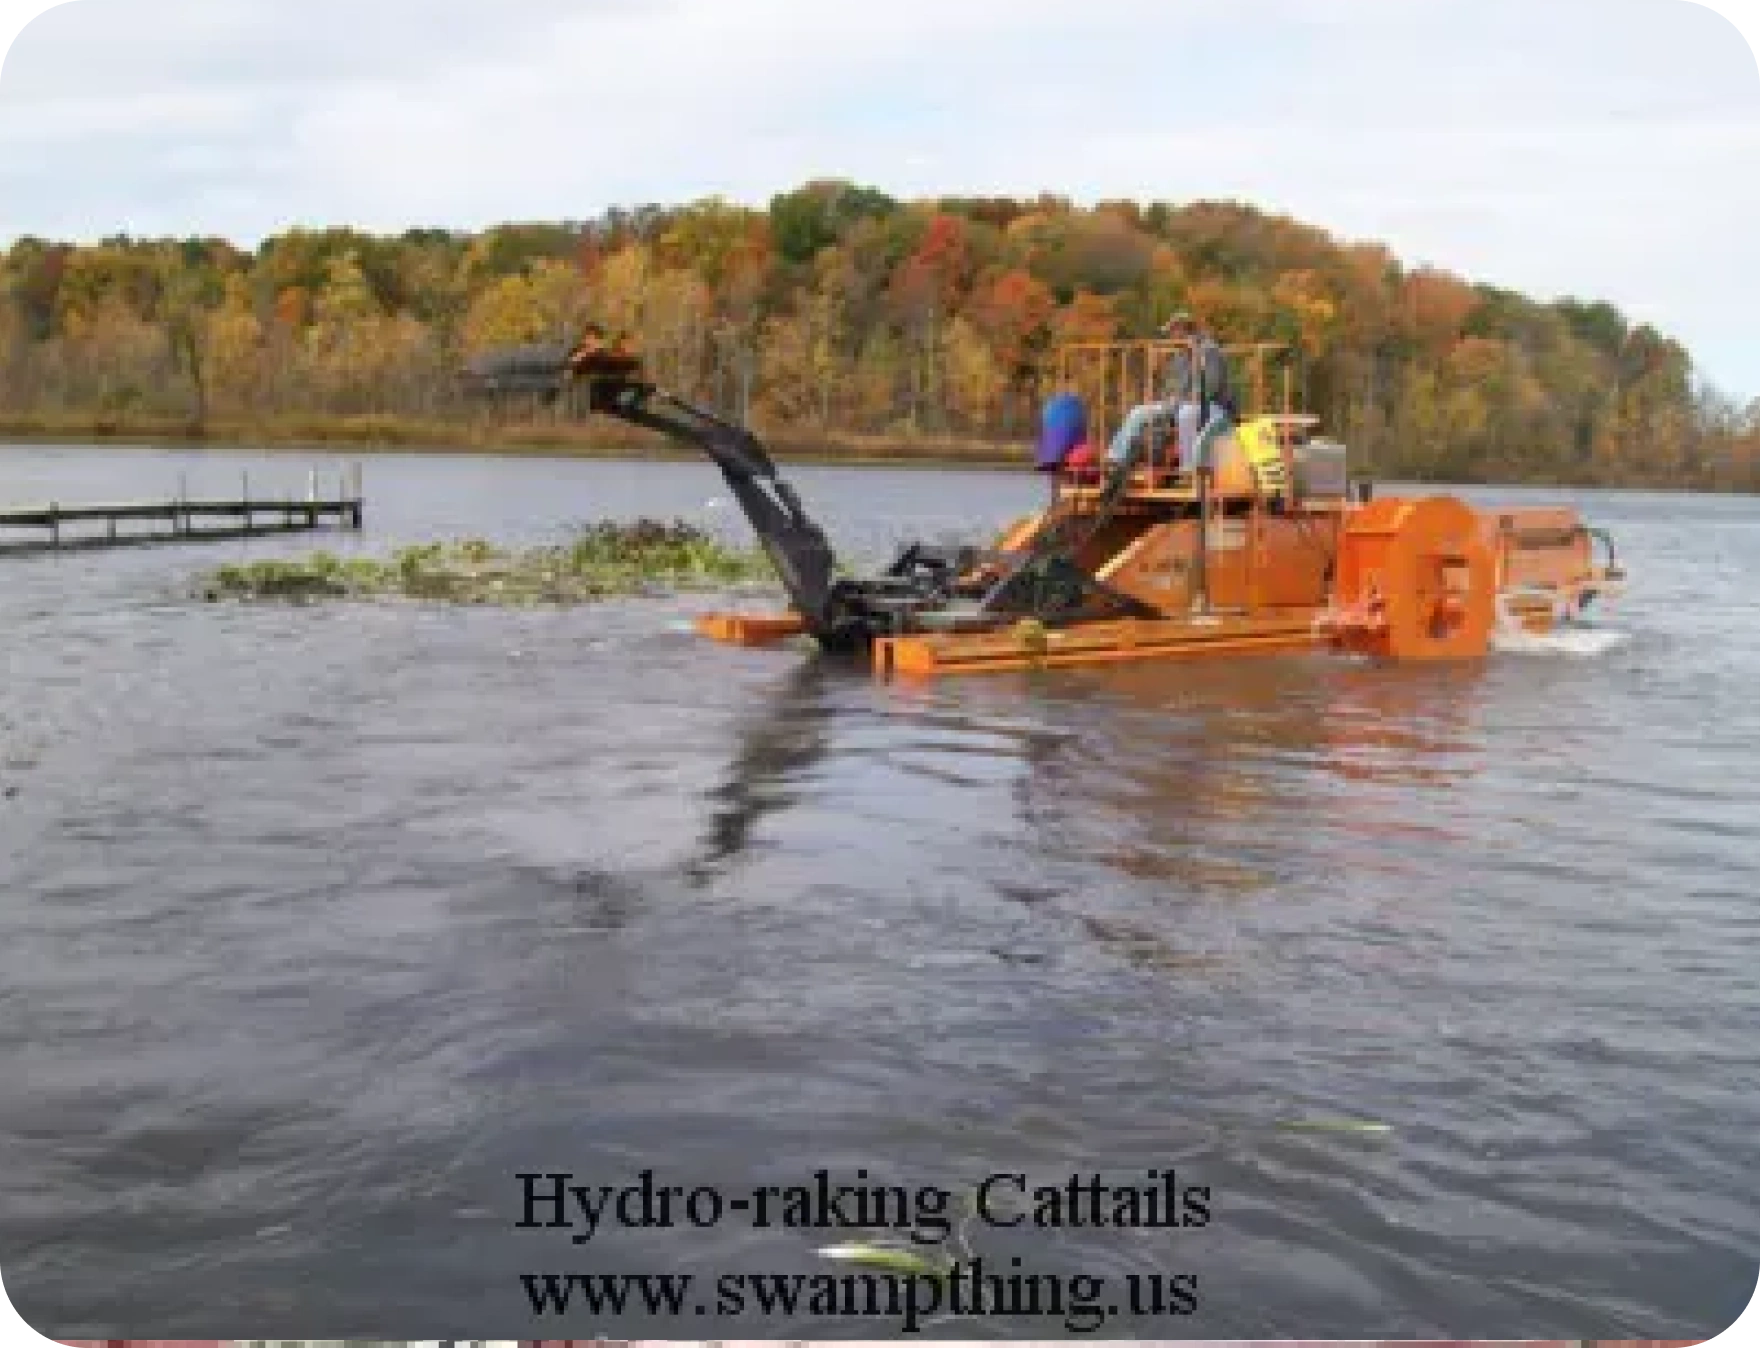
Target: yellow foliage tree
(234, 354)
(974, 379)
(620, 285)
(547, 303)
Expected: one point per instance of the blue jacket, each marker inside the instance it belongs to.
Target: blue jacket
(1063, 426)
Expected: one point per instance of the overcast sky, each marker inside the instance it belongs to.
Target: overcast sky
(1605, 148)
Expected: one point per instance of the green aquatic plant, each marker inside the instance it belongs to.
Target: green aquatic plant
(276, 580)
(603, 559)
(478, 550)
(651, 547)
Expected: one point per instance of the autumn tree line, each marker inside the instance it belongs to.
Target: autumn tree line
(840, 316)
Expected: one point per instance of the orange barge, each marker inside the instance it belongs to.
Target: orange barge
(1267, 546)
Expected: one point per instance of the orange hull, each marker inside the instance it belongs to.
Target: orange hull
(1400, 579)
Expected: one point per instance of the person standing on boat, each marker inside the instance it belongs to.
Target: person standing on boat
(1196, 395)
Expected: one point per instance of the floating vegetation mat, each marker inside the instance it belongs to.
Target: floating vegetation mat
(606, 559)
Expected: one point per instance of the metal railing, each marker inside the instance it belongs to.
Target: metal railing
(1113, 377)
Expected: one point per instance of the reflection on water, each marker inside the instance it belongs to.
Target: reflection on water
(1200, 775)
(316, 926)
(777, 746)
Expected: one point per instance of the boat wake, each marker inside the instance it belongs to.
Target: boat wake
(1581, 642)
(1509, 635)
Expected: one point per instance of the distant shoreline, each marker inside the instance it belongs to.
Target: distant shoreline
(371, 435)
(367, 435)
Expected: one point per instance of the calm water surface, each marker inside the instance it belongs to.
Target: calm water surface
(316, 926)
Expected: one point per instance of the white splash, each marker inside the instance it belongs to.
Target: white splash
(1581, 642)
(1570, 637)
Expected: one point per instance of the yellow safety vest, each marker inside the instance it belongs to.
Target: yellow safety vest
(1258, 439)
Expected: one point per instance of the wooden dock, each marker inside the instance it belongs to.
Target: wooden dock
(66, 528)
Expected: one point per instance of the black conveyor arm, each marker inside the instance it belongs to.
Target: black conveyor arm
(733, 448)
(796, 546)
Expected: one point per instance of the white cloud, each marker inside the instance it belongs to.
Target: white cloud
(1603, 147)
